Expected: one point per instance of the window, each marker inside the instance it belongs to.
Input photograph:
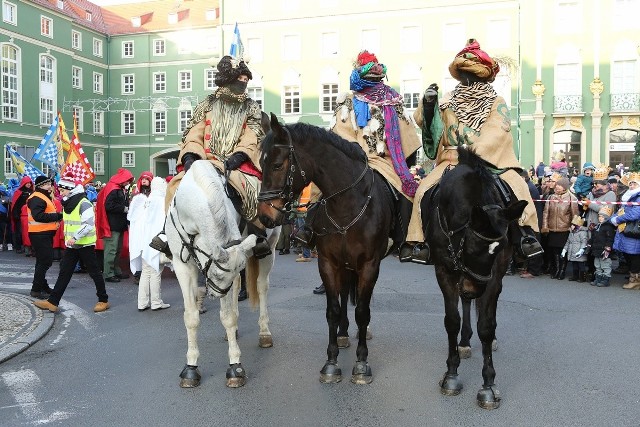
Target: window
(98, 162)
(128, 123)
(159, 47)
(9, 13)
(97, 47)
(370, 40)
(88, 16)
(76, 40)
(329, 44)
(159, 122)
(10, 82)
(78, 114)
(328, 97)
(184, 81)
(46, 69)
(453, 36)
(127, 49)
(623, 76)
(183, 117)
(46, 26)
(76, 77)
(568, 16)
(625, 14)
(567, 82)
(210, 79)
(291, 99)
(160, 82)
(46, 169)
(60, 4)
(97, 82)
(211, 14)
(46, 111)
(128, 84)
(411, 39)
(498, 33)
(257, 94)
(8, 163)
(128, 159)
(255, 50)
(291, 48)
(411, 92)
(98, 123)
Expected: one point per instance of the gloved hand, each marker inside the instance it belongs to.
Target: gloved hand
(614, 220)
(563, 253)
(235, 160)
(431, 94)
(579, 253)
(187, 160)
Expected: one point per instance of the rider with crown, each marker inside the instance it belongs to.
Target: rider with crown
(474, 116)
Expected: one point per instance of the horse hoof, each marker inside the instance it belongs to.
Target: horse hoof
(265, 341)
(361, 373)
(330, 373)
(488, 398)
(236, 376)
(450, 385)
(464, 352)
(189, 377)
(343, 342)
(494, 345)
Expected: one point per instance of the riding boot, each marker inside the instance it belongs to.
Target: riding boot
(160, 244)
(262, 247)
(243, 286)
(563, 267)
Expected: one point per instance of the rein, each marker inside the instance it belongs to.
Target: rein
(457, 257)
(192, 248)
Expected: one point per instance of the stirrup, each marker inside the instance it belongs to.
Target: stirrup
(421, 254)
(405, 252)
(530, 247)
(160, 244)
(305, 236)
(262, 248)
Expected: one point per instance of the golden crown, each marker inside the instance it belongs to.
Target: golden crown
(631, 176)
(601, 173)
(606, 210)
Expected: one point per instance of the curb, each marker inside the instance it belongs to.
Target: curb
(37, 327)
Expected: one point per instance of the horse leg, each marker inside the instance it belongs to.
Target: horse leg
(450, 385)
(236, 376)
(187, 277)
(264, 336)
(361, 373)
(343, 326)
(464, 348)
(331, 372)
(488, 397)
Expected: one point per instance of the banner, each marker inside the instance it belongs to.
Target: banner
(63, 136)
(48, 150)
(237, 48)
(21, 165)
(77, 164)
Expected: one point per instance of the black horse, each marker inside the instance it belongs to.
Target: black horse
(466, 223)
(352, 223)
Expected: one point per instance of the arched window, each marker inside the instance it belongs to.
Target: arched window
(411, 86)
(291, 93)
(11, 82)
(329, 90)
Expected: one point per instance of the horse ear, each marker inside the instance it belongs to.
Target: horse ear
(275, 124)
(514, 210)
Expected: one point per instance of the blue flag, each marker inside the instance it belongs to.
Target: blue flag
(237, 48)
(22, 166)
(48, 150)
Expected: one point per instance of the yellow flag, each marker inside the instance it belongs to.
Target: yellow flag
(64, 138)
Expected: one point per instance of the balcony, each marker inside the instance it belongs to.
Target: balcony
(625, 102)
(567, 104)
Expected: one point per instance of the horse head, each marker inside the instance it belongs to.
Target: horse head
(281, 178)
(230, 260)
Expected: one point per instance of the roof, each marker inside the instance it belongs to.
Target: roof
(153, 15)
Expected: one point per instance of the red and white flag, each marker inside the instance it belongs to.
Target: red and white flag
(77, 164)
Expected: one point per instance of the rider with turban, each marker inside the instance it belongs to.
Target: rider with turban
(226, 128)
(472, 115)
(373, 115)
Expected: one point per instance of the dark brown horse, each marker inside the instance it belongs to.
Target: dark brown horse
(352, 223)
(466, 223)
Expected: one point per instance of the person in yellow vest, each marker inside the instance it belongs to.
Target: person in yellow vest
(80, 241)
(43, 223)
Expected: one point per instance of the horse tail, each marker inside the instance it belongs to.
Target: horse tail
(252, 272)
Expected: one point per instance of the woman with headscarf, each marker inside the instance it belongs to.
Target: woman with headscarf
(472, 115)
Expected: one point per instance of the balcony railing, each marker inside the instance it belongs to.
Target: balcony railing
(567, 104)
(625, 102)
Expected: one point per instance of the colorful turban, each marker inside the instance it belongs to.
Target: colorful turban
(229, 69)
(474, 60)
(368, 67)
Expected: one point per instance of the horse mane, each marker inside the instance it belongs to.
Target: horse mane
(306, 133)
(469, 157)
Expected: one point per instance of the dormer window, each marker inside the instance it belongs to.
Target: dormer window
(60, 4)
(173, 18)
(135, 21)
(211, 14)
(88, 16)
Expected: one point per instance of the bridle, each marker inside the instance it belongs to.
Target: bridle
(286, 192)
(457, 256)
(191, 248)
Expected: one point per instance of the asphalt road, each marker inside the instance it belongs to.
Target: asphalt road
(567, 356)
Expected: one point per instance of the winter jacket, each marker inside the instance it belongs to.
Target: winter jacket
(576, 241)
(559, 212)
(594, 208)
(622, 243)
(602, 237)
(583, 185)
(111, 209)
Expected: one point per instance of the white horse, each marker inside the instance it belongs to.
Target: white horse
(202, 232)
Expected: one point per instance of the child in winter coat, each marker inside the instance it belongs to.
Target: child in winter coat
(601, 242)
(576, 249)
(584, 182)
